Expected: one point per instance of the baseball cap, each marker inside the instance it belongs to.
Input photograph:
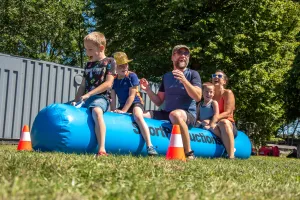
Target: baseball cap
(177, 47)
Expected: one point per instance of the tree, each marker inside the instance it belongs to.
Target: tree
(292, 88)
(288, 131)
(49, 30)
(252, 41)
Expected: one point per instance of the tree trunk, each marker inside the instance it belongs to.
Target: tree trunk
(298, 151)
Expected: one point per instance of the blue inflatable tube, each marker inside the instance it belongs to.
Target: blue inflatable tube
(64, 128)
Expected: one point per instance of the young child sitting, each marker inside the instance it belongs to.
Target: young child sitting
(208, 109)
(98, 78)
(126, 88)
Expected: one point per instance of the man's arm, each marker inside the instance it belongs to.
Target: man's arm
(194, 91)
(158, 98)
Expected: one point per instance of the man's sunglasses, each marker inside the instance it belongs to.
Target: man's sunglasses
(186, 53)
(217, 75)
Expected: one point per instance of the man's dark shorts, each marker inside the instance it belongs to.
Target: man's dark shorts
(164, 115)
(130, 110)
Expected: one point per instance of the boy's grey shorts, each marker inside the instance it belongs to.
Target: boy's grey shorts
(97, 101)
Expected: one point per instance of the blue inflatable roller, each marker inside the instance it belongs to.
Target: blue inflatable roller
(64, 128)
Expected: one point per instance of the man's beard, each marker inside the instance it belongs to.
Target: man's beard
(181, 65)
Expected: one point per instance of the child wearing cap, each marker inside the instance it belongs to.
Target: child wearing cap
(125, 87)
(97, 80)
(208, 109)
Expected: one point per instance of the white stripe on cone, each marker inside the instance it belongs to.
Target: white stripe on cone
(176, 140)
(25, 136)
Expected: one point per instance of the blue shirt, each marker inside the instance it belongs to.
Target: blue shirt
(176, 96)
(122, 86)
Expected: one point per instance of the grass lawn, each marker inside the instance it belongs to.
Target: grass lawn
(33, 175)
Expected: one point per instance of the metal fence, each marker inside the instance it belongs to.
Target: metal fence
(27, 86)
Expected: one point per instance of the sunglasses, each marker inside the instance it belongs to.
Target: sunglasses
(186, 53)
(217, 75)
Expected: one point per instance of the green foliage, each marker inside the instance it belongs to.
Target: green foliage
(47, 30)
(33, 175)
(292, 89)
(275, 140)
(252, 41)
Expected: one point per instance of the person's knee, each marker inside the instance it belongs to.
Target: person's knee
(97, 112)
(138, 118)
(225, 124)
(175, 116)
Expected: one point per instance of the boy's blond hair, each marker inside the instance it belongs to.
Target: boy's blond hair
(207, 84)
(96, 37)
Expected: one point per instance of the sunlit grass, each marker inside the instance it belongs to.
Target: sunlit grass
(34, 175)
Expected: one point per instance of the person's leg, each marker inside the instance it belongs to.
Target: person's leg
(139, 119)
(180, 117)
(99, 106)
(227, 136)
(217, 131)
(100, 128)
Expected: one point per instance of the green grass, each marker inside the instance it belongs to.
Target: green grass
(33, 175)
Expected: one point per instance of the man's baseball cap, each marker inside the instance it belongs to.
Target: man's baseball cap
(180, 46)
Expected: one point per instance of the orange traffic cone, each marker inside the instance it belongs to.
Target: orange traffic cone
(25, 140)
(175, 150)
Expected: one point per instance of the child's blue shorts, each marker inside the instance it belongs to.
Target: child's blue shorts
(97, 101)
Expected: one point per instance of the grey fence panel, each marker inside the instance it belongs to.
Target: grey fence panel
(27, 86)
(10, 107)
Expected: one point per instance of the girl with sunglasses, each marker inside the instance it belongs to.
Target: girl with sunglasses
(225, 128)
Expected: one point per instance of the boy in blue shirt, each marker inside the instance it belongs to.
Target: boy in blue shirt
(126, 88)
(98, 78)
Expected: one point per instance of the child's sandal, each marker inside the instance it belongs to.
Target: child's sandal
(101, 153)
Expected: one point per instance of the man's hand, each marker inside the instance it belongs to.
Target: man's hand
(179, 75)
(144, 84)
